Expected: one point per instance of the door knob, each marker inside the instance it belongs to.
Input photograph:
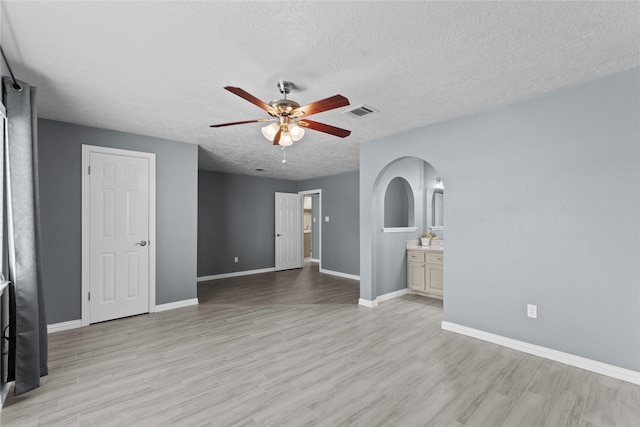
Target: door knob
(142, 243)
(278, 235)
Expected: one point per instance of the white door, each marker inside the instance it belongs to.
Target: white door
(119, 236)
(288, 231)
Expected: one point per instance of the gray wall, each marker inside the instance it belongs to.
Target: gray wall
(340, 236)
(542, 207)
(236, 218)
(60, 191)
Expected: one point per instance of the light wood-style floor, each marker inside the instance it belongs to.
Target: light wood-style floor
(293, 348)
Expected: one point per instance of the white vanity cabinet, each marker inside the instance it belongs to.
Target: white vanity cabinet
(425, 272)
(416, 277)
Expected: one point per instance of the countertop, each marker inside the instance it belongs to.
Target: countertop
(414, 245)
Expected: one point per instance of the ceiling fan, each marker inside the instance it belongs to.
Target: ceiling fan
(289, 117)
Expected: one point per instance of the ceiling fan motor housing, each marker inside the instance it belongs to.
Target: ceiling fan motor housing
(282, 107)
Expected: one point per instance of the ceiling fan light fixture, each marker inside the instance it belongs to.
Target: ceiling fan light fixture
(285, 139)
(296, 132)
(270, 131)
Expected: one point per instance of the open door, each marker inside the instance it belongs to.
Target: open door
(311, 216)
(288, 238)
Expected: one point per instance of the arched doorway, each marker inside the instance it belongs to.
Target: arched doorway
(388, 244)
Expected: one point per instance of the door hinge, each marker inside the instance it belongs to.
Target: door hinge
(89, 296)
(89, 170)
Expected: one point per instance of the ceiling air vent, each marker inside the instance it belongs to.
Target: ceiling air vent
(361, 111)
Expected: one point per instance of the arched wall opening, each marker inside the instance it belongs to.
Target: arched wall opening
(389, 271)
(398, 204)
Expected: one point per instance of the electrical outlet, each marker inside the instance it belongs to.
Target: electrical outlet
(235, 259)
(532, 311)
(326, 219)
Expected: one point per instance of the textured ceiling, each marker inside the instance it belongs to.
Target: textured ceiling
(158, 68)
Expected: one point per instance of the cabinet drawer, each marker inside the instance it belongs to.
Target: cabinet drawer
(436, 258)
(416, 256)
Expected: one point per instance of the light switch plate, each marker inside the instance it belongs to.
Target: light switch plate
(532, 311)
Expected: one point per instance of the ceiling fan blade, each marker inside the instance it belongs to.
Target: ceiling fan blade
(326, 104)
(247, 96)
(240, 123)
(276, 139)
(322, 127)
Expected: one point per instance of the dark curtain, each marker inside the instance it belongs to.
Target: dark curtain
(28, 347)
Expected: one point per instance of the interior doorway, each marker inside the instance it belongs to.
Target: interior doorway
(118, 233)
(421, 189)
(312, 226)
(288, 226)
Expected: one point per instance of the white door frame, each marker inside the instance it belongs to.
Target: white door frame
(86, 153)
(319, 193)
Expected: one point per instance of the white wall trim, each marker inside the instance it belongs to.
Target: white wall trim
(381, 298)
(267, 270)
(235, 274)
(547, 353)
(399, 229)
(339, 274)
(391, 295)
(176, 304)
(368, 303)
(74, 324)
(64, 326)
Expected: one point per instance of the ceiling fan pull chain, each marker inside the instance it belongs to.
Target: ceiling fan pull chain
(284, 155)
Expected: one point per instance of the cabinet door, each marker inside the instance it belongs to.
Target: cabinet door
(435, 278)
(416, 276)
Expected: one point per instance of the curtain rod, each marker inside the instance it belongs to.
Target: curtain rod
(15, 85)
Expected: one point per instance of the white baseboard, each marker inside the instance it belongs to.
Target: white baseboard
(177, 304)
(368, 303)
(64, 326)
(385, 297)
(268, 270)
(74, 324)
(339, 274)
(315, 260)
(235, 274)
(391, 295)
(555, 355)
